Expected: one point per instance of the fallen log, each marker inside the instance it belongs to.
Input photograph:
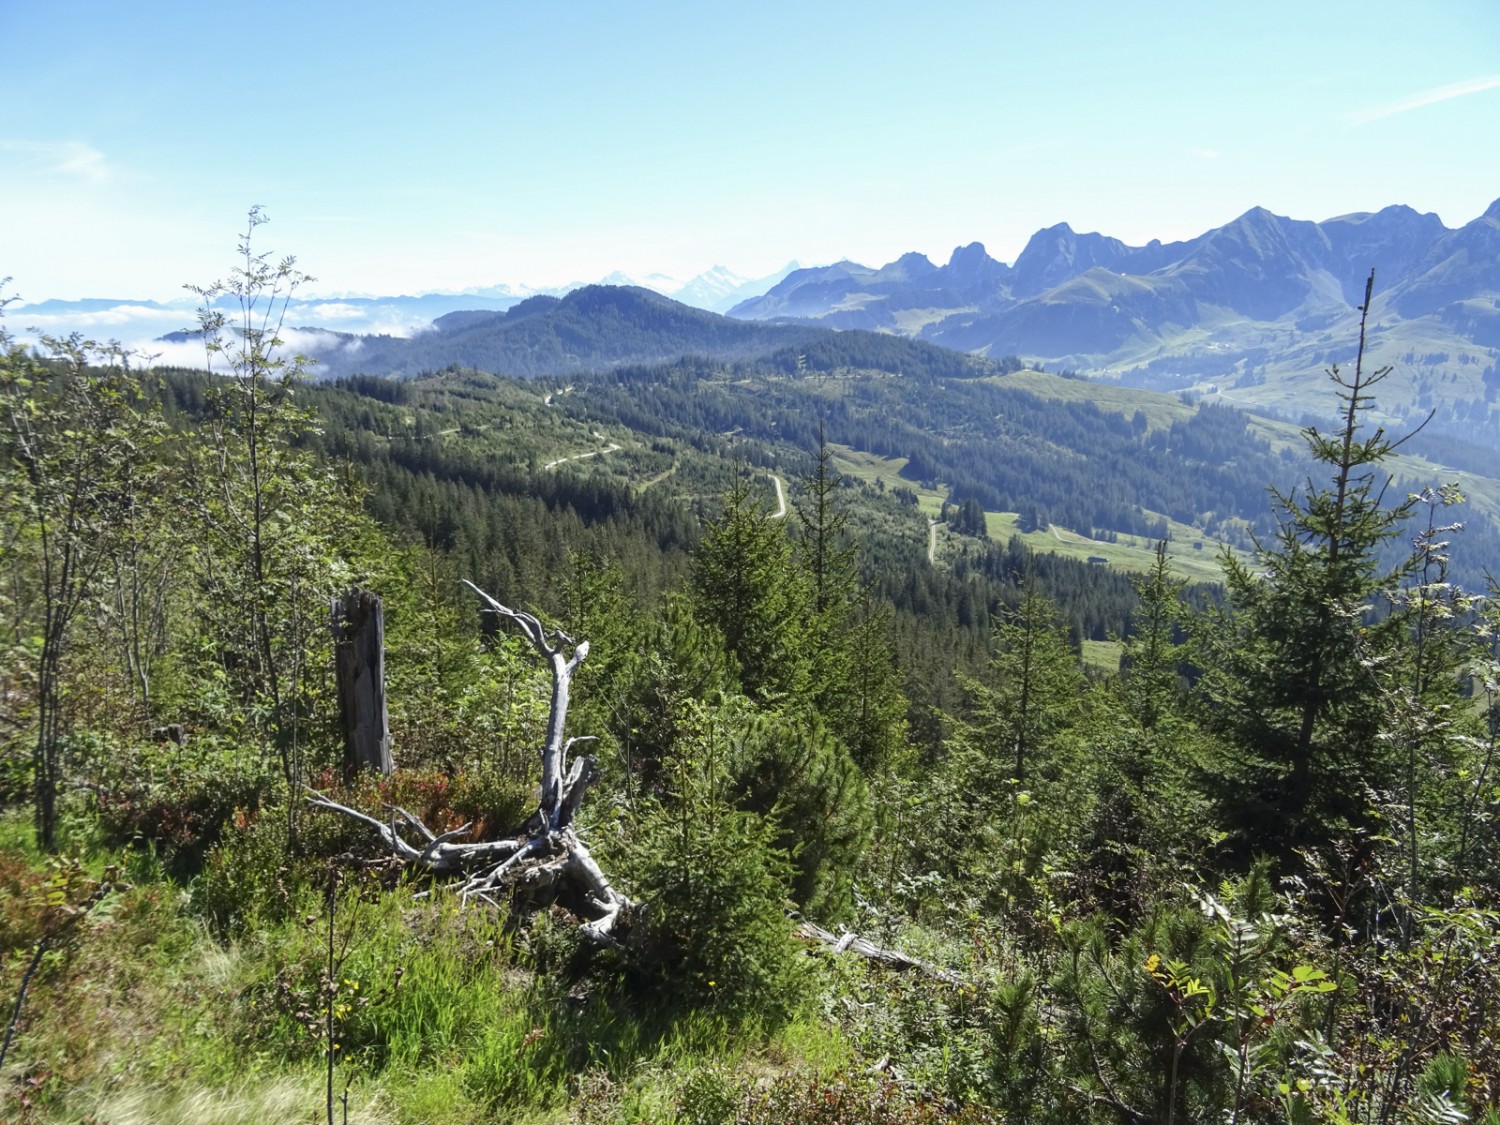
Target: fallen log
(863, 947)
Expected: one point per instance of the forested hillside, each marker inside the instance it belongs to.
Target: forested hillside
(834, 736)
(601, 326)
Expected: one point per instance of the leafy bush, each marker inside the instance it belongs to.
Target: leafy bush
(714, 930)
(177, 799)
(22, 898)
(256, 871)
(492, 803)
(794, 772)
(850, 1100)
(709, 1096)
(250, 876)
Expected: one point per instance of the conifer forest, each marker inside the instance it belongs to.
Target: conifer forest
(850, 731)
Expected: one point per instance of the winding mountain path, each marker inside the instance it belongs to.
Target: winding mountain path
(610, 448)
(780, 512)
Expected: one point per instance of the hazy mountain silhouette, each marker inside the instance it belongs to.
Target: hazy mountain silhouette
(1070, 295)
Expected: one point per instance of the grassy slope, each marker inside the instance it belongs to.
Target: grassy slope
(1296, 350)
(1162, 410)
(443, 1016)
(1131, 553)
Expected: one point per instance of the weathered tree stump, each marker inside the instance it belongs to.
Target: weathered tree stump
(358, 623)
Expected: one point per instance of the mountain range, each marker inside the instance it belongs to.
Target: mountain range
(1249, 313)
(1257, 303)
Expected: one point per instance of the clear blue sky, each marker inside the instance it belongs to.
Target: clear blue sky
(402, 148)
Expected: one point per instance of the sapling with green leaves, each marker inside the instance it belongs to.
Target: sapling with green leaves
(277, 534)
(84, 453)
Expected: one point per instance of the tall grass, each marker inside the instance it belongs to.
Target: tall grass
(443, 1015)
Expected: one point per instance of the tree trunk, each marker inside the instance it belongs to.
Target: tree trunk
(359, 661)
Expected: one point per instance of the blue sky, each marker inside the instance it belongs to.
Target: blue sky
(405, 149)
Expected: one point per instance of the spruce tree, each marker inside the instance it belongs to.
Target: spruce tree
(1034, 687)
(1289, 664)
(855, 684)
(1150, 659)
(746, 587)
(827, 555)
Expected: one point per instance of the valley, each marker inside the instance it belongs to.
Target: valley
(839, 582)
(777, 564)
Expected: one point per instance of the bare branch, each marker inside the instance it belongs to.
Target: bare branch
(387, 832)
(530, 626)
(426, 856)
(578, 654)
(583, 774)
(491, 879)
(553, 752)
(440, 854)
(413, 821)
(610, 901)
(853, 943)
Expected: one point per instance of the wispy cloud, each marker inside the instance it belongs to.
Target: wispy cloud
(190, 353)
(1426, 97)
(70, 158)
(1205, 153)
(133, 317)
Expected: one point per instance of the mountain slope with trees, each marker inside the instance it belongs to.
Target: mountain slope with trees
(601, 326)
(1247, 874)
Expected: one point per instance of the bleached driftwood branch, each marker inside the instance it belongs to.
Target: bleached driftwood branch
(546, 860)
(864, 947)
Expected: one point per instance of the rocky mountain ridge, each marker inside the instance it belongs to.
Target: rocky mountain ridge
(1257, 302)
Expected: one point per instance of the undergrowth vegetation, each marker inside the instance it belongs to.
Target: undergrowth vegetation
(1250, 877)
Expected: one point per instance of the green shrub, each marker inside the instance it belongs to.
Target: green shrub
(23, 898)
(794, 772)
(250, 876)
(709, 1096)
(850, 1100)
(179, 800)
(713, 931)
(493, 804)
